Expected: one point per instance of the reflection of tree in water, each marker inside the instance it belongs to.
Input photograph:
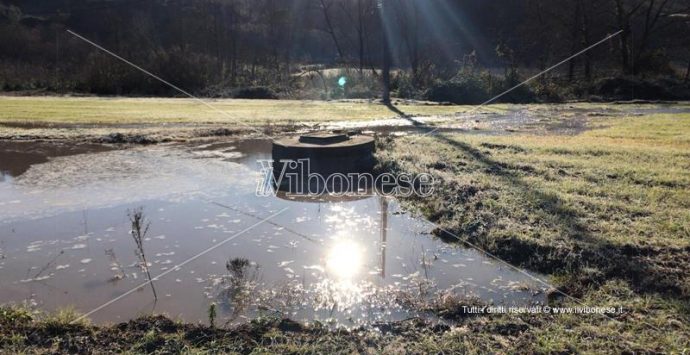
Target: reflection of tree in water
(115, 266)
(234, 290)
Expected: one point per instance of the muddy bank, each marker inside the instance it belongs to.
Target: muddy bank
(132, 134)
(159, 334)
(459, 330)
(18, 156)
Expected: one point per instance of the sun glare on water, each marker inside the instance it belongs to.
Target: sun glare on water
(344, 259)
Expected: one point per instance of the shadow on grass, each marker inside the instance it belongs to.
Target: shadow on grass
(406, 116)
(645, 268)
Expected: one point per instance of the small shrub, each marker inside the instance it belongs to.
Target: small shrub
(518, 94)
(404, 87)
(151, 341)
(14, 316)
(140, 228)
(549, 91)
(238, 267)
(63, 317)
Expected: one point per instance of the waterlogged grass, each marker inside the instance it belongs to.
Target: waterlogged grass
(152, 111)
(647, 324)
(604, 211)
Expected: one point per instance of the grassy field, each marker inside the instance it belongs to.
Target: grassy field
(611, 201)
(151, 111)
(108, 111)
(606, 209)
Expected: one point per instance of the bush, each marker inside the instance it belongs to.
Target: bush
(256, 92)
(550, 91)
(473, 89)
(520, 95)
(467, 89)
(655, 62)
(404, 87)
(630, 88)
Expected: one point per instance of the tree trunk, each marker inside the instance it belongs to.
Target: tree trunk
(650, 23)
(386, 95)
(415, 45)
(360, 35)
(574, 40)
(586, 40)
(624, 24)
(233, 51)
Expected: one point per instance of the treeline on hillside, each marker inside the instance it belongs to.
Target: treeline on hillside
(462, 51)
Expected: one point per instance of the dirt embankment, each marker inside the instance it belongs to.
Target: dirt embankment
(645, 325)
(158, 334)
(130, 134)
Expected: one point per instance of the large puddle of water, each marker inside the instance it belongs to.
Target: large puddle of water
(64, 240)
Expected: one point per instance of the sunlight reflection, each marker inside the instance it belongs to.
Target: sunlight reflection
(344, 260)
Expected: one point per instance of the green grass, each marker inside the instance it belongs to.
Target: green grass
(152, 111)
(624, 184)
(609, 208)
(106, 111)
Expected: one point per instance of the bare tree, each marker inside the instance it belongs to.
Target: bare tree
(652, 12)
(589, 9)
(407, 15)
(386, 69)
(575, 36)
(325, 6)
(362, 8)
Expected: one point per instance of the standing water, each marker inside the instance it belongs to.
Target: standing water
(65, 241)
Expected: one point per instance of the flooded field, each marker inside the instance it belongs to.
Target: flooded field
(562, 119)
(65, 241)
